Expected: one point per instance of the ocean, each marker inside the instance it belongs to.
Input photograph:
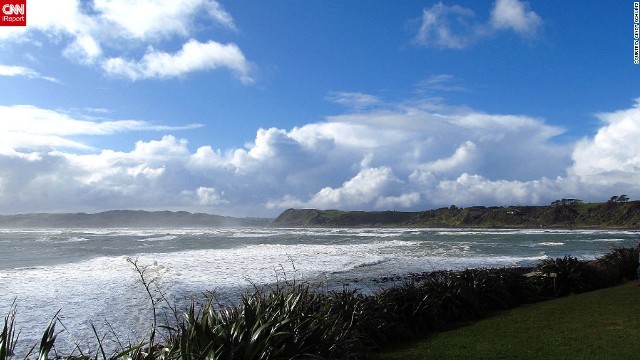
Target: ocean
(86, 275)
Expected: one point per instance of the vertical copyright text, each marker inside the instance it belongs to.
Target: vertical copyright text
(636, 32)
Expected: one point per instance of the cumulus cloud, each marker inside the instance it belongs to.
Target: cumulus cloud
(612, 156)
(83, 49)
(515, 15)
(468, 190)
(99, 33)
(457, 27)
(407, 156)
(210, 196)
(462, 158)
(365, 188)
(194, 56)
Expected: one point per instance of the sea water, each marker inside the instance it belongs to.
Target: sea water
(88, 276)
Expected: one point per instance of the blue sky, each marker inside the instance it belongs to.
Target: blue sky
(246, 108)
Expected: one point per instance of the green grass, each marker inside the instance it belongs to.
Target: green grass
(603, 324)
(584, 208)
(332, 214)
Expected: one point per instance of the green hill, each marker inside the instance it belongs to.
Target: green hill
(578, 215)
(125, 218)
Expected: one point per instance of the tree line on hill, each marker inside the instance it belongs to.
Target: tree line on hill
(614, 199)
(618, 212)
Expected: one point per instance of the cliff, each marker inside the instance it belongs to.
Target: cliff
(594, 215)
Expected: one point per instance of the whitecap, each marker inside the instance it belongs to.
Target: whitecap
(160, 238)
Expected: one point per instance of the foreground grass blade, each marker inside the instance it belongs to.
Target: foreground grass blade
(8, 336)
(48, 339)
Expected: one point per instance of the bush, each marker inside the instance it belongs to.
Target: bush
(565, 275)
(623, 262)
(286, 322)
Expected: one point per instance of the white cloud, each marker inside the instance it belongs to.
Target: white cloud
(8, 70)
(84, 49)
(404, 201)
(469, 190)
(456, 27)
(515, 15)
(12, 33)
(463, 158)
(30, 127)
(448, 27)
(58, 18)
(207, 196)
(362, 189)
(612, 156)
(103, 31)
(407, 156)
(194, 56)
(167, 146)
(216, 12)
(148, 19)
(440, 82)
(365, 190)
(356, 100)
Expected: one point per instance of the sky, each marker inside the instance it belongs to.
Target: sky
(247, 108)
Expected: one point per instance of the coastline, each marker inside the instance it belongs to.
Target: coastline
(575, 216)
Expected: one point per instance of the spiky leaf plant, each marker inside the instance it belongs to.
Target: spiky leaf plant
(287, 322)
(8, 337)
(564, 274)
(48, 339)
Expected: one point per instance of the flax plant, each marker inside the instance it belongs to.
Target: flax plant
(8, 337)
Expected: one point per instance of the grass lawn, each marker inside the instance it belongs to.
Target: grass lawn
(603, 324)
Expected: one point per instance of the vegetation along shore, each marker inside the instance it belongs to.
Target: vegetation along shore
(564, 213)
(290, 320)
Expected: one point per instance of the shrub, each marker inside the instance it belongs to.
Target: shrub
(623, 262)
(565, 275)
(287, 322)
(519, 287)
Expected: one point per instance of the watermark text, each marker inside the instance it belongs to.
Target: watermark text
(13, 12)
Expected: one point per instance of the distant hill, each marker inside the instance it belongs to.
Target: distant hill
(582, 215)
(126, 218)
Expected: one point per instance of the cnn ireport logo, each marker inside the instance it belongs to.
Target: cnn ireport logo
(13, 12)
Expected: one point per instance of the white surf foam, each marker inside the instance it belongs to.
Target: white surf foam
(108, 288)
(160, 238)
